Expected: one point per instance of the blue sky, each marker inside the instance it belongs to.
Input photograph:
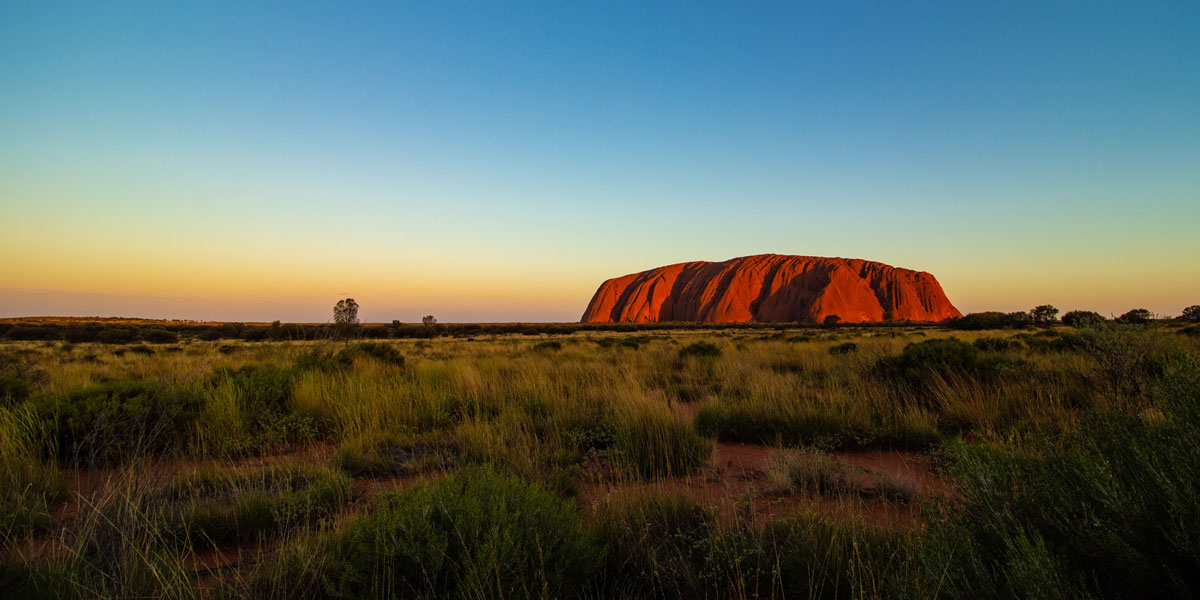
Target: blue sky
(497, 162)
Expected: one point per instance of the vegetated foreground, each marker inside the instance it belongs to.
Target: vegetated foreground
(789, 463)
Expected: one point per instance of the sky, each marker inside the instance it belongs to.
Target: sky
(496, 162)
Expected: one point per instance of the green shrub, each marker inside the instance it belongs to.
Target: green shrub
(18, 376)
(13, 389)
(475, 534)
(116, 420)
(547, 346)
(701, 350)
(844, 348)
(591, 431)
(263, 390)
(264, 399)
(1107, 512)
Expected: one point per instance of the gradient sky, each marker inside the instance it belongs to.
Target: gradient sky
(497, 161)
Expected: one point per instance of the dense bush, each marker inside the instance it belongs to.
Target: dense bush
(990, 320)
(475, 534)
(156, 335)
(844, 348)
(1136, 316)
(264, 398)
(1191, 314)
(263, 390)
(17, 378)
(34, 332)
(116, 420)
(1082, 318)
(1044, 314)
(118, 335)
(13, 389)
(224, 331)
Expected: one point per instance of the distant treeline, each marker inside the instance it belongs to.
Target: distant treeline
(79, 332)
(167, 333)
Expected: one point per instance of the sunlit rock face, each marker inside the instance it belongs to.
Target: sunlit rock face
(771, 287)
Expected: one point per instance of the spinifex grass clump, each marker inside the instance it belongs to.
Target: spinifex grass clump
(805, 556)
(394, 456)
(805, 421)
(651, 442)
(810, 472)
(29, 489)
(662, 545)
(657, 546)
(208, 508)
(383, 352)
(475, 534)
